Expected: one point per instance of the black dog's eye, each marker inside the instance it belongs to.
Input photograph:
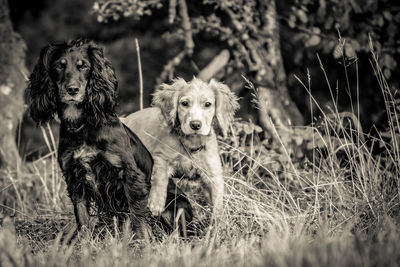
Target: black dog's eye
(207, 104)
(81, 65)
(185, 103)
(61, 65)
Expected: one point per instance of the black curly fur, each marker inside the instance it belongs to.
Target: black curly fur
(103, 162)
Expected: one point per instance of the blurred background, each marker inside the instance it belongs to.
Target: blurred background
(333, 33)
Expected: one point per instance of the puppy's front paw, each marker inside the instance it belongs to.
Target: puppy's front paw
(156, 203)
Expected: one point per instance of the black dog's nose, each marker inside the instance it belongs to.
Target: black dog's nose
(195, 125)
(72, 90)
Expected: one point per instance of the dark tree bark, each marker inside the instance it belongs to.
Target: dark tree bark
(273, 63)
(12, 84)
(260, 49)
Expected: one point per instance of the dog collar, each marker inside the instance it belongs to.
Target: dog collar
(197, 149)
(192, 150)
(75, 129)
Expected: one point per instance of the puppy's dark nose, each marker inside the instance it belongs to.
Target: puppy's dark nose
(72, 90)
(195, 125)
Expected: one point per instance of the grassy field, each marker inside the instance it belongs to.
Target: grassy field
(322, 195)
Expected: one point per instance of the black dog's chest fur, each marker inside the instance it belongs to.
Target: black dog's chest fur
(84, 157)
(95, 169)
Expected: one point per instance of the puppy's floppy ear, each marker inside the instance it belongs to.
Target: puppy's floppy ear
(101, 87)
(226, 104)
(166, 98)
(41, 89)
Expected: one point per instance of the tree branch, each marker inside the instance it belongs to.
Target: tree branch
(187, 28)
(218, 63)
(172, 11)
(170, 67)
(189, 44)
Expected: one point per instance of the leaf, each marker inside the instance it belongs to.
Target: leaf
(247, 129)
(316, 30)
(313, 41)
(388, 61)
(96, 6)
(387, 15)
(257, 128)
(302, 16)
(292, 21)
(329, 23)
(100, 19)
(387, 73)
(379, 21)
(349, 50)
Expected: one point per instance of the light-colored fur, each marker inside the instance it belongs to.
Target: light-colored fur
(71, 113)
(177, 147)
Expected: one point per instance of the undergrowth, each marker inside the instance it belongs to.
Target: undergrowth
(326, 194)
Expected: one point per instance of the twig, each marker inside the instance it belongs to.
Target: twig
(189, 44)
(140, 73)
(172, 11)
(215, 65)
(187, 27)
(169, 68)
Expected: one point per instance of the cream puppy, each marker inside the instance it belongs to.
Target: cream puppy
(180, 133)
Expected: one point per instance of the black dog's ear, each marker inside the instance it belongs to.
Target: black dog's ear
(41, 89)
(101, 88)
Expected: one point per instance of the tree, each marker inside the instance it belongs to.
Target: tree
(12, 84)
(247, 29)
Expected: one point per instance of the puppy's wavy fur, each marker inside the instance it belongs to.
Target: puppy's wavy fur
(102, 160)
(180, 132)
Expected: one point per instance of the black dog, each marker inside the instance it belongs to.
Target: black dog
(103, 162)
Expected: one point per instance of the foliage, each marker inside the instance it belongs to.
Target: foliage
(318, 24)
(355, 21)
(232, 23)
(116, 9)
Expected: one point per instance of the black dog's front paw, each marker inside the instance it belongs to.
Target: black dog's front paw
(81, 215)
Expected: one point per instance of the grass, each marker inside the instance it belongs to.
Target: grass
(321, 196)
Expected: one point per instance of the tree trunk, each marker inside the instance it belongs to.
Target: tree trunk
(274, 99)
(12, 84)
(259, 47)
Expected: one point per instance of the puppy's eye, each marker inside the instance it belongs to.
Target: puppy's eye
(207, 104)
(185, 103)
